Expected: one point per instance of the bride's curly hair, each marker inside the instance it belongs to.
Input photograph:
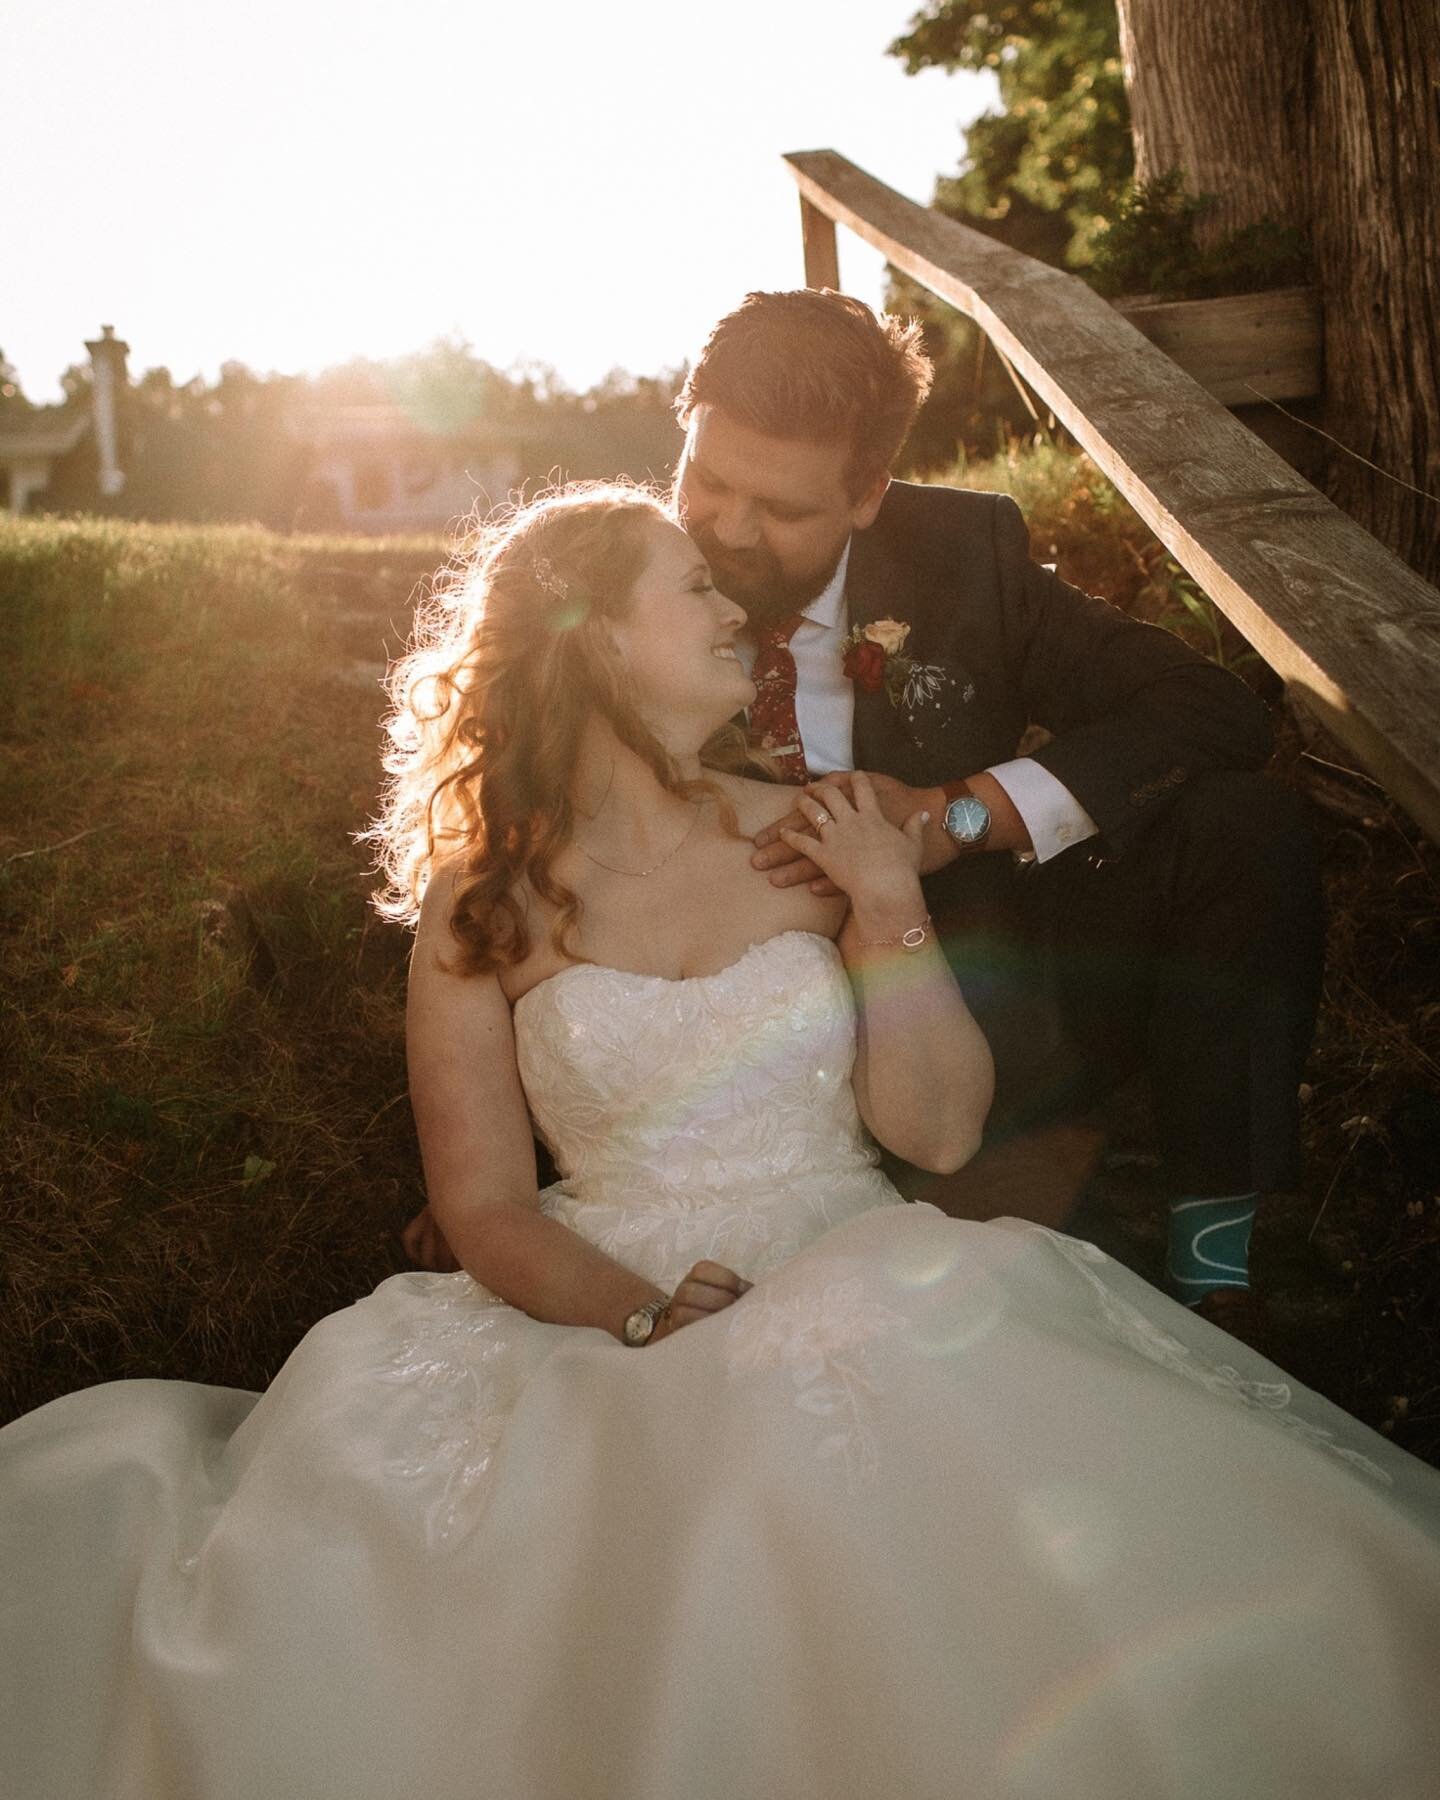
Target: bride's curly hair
(509, 656)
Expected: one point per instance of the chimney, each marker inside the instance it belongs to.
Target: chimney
(107, 358)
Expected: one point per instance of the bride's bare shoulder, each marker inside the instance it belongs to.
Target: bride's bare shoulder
(530, 913)
(757, 803)
(447, 884)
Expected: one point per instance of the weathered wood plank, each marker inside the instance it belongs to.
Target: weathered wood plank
(1352, 630)
(822, 254)
(1241, 348)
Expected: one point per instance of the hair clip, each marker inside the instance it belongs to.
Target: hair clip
(549, 580)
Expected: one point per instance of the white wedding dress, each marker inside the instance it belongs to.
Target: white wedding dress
(938, 1510)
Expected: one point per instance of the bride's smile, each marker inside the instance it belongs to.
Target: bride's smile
(675, 630)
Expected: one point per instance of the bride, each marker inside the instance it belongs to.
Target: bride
(717, 1470)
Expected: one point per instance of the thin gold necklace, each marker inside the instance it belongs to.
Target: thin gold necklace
(638, 874)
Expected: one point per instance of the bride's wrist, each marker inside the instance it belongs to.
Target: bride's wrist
(880, 919)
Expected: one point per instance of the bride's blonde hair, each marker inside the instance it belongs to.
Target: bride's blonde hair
(509, 656)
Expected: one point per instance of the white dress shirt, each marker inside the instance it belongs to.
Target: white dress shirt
(825, 713)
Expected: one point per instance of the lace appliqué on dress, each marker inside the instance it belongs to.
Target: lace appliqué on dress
(1131, 1327)
(445, 1354)
(725, 1128)
(820, 1331)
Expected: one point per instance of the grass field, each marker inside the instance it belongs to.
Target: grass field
(204, 1128)
(204, 1138)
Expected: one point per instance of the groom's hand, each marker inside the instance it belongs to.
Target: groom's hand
(899, 801)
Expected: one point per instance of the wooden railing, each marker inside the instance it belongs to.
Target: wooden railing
(1352, 630)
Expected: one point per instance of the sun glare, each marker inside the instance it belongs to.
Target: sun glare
(289, 188)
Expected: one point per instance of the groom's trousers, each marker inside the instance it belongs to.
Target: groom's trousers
(1194, 956)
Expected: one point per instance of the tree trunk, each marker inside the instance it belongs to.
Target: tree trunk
(1324, 114)
(1218, 92)
(1375, 173)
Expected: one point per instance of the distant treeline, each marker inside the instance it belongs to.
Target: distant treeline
(245, 446)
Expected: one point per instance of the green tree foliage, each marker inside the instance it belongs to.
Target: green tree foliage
(75, 384)
(1040, 175)
(1150, 247)
(447, 388)
(624, 425)
(12, 399)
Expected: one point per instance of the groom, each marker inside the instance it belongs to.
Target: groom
(1129, 894)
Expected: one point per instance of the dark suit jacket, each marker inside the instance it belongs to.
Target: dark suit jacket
(1134, 711)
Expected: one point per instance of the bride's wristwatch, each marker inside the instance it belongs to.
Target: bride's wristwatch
(640, 1324)
(967, 818)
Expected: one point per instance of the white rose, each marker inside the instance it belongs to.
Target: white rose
(889, 634)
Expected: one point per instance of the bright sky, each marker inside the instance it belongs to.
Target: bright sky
(292, 182)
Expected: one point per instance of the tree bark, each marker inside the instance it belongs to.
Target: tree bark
(1219, 92)
(1324, 114)
(1375, 173)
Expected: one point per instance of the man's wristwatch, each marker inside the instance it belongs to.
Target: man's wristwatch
(640, 1324)
(967, 819)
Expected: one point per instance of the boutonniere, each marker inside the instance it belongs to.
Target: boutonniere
(874, 657)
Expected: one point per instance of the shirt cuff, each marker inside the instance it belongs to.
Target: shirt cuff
(1048, 810)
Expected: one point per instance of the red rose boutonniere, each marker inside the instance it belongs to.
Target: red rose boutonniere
(874, 657)
(865, 663)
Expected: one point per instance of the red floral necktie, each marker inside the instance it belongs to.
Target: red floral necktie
(773, 726)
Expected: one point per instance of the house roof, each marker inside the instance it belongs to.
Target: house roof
(47, 431)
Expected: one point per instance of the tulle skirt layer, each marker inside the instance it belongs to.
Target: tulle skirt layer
(939, 1509)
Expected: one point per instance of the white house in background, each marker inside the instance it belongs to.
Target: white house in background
(373, 468)
(30, 447)
(367, 468)
(33, 444)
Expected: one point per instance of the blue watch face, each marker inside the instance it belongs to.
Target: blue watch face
(967, 819)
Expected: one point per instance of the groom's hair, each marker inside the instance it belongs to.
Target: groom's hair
(815, 365)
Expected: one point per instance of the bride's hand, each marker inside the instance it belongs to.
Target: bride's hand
(875, 863)
(424, 1243)
(709, 1288)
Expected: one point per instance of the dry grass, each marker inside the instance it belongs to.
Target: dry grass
(205, 1141)
(1373, 1121)
(206, 1144)
(1082, 524)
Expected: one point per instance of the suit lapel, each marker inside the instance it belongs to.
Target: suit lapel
(880, 741)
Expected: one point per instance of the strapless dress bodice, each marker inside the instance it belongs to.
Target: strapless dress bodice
(712, 1111)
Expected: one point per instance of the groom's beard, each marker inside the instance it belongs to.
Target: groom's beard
(754, 579)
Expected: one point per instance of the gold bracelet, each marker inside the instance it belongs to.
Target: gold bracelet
(910, 941)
